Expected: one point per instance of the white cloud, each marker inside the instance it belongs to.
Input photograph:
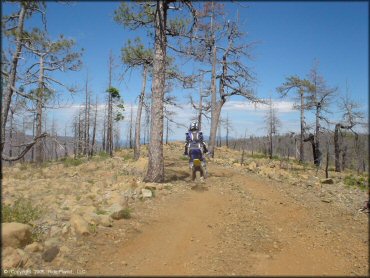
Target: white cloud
(243, 115)
(281, 106)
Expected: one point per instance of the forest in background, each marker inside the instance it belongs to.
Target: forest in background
(202, 32)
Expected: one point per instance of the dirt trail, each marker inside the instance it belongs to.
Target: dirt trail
(233, 224)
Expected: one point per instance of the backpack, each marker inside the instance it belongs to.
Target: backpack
(194, 139)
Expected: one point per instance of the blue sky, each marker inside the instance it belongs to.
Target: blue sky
(290, 36)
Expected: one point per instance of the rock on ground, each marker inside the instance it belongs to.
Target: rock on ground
(79, 224)
(327, 181)
(99, 219)
(146, 193)
(104, 220)
(15, 234)
(33, 247)
(50, 254)
(11, 258)
(116, 211)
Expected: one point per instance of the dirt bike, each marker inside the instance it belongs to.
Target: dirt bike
(197, 163)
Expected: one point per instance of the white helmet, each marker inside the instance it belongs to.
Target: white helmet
(193, 126)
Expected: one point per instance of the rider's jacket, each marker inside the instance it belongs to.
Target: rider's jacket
(194, 140)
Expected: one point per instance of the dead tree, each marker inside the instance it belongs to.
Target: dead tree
(319, 99)
(202, 108)
(219, 44)
(228, 127)
(244, 146)
(52, 56)
(109, 141)
(13, 28)
(86, 148)
(131, 126)
(301, 86)
(65, 142)
(351, 117)
(135, 55)
(94, 129)
(272, 123)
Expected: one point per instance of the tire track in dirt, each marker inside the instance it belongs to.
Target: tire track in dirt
(234, 224)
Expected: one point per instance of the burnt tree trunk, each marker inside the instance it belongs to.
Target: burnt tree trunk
(7, 97)
(11, 133)
(39, 104)
(167, 130)
(138, 116)
(155, 171)
(87, 121)
(131, 125)
(79, 134)
(318, 153)
(301, 146)
(214, 112)
(327, 162)
(344, 158)
(200, 111)
(94, 129)
(104, 129)
(337, 149)
(109, 142)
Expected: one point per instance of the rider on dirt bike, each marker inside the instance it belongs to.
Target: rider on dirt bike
(194, 139)
(195, 148)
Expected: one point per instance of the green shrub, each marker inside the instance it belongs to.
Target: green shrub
(360, 182)
(103, 155)
(100, 211)
(22, 211)
(68, 162)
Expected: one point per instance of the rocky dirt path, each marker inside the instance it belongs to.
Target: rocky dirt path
(235, 223)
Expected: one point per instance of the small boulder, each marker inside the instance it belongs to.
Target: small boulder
(327, 181)
(252, 166)
(90, 218)
(105, 220)
(11, 258)
(50, 242)
(55, 231)
(15, 234)
(146, 193)
(99, 219)
(79, 224)
(33, 247)
(116, 211)
(50, 254)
